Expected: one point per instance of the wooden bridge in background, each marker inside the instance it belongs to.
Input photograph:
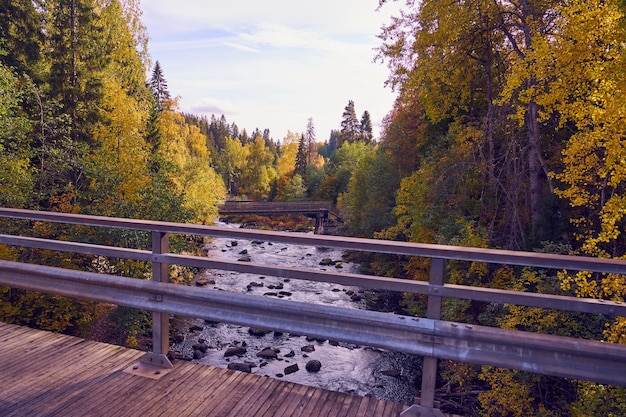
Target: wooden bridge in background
(321, 209)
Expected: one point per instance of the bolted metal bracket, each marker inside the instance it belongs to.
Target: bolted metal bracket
(421, 411)
(151, 365)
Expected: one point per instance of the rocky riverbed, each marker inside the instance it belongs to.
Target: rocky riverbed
(326, 364)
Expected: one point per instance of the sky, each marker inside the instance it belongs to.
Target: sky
(272, 64)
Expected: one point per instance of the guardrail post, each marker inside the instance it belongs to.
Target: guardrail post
(429, 368)
(426, 408)
(160, 273)
(155, 364)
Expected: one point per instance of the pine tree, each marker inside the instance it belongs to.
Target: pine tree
(158, 84)
(21, 36)
(349, 124)
(301, 157)
(76, 53)
(311, 146)
(366, 127)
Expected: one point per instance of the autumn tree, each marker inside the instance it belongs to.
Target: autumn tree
(231, 163)
(185, 147)
(259, 172)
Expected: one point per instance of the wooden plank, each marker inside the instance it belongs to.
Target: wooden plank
(277, 401)
(200, 378)
(221, 395)
(237, 396)
(42, 370)
(289, 407)
(267, 398)
(334, 399)
(180, 400)
(253, 397)
(317, 402)
(54, 387)
(69, 376)
(171, 388)
(107, 379)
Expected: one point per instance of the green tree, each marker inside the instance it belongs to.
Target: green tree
(21, 36)
(369, 200)
(295, 189)
(349, 124)
(365, 128)
(302, 159)
(16, 172)
(159, 86)
(311, 144)
(76, 55)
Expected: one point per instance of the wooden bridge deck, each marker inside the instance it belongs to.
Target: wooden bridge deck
(49, 374)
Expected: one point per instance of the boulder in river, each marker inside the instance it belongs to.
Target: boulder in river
(268, 353)
(202, 347)
(202, 282)
(313, 366)
(245, 258)
(308, 348)
(257, 332)
(235, 351)
(240, 366)
(291, 369)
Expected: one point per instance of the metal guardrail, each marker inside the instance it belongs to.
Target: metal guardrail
(430, 336)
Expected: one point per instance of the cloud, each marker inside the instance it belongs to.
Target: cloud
(208, 105)
(241, 47)
(348, 16)
(282, 36)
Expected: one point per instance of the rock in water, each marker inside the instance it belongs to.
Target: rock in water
(313, 366)
(235, 351)
(242, 367)
(291, 369)
(268, 353)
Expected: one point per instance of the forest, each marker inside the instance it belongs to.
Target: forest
(508, 131)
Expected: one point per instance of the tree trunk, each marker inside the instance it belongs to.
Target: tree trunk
(535, 168)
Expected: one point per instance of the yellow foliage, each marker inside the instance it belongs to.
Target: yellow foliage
(185, 146)
(287, 159)
(511, 394)
(120, 161)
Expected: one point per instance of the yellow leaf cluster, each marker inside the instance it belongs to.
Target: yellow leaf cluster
(185, 147)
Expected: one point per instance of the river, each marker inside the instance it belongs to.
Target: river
(345, 367)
